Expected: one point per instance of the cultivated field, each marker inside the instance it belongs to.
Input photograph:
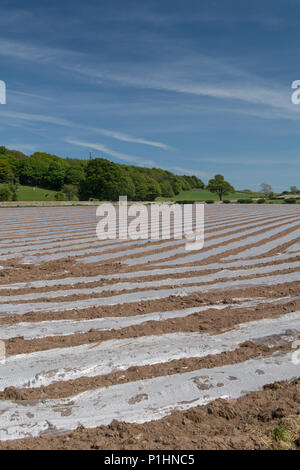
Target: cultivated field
(141, 344)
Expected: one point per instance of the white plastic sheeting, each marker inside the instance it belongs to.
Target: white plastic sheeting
(221, 239)
(61, 364)
(71, 281)
(222, 274)
(248, 240)
(144, 400)
(45, 234)
(21, 309)
(68, 327)
(43, 329)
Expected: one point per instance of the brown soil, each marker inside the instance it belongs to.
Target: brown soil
(230, 252)
(235, 229)
(68, 266)
(247, 350)
(266, 419)
(138, 278)
(210, 321)
(210, 259)
(111, 293)
(160, 305)
(247, 423)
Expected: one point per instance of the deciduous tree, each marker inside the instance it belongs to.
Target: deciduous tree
(220, 186)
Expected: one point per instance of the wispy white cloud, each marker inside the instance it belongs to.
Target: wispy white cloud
(128, 138)
(108, 151)
(30, 117)
(133, 159)
(18, 94)
(191, 75)
(25, 51)
(263, 94)
(251, 95)
(35, 118)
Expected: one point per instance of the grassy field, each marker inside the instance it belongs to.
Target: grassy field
(31, 193)
(204, 195)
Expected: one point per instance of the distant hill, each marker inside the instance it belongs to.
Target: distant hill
(97, 178)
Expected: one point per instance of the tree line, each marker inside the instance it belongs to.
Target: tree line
(96, 178)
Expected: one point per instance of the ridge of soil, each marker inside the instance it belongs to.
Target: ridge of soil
(246, 423)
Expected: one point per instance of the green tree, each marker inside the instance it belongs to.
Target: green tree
(196, 182)
(3, 150)
(60, 196)
(97, 178)
(140, 182)
(18, 154)
(220, 186)
(5, 170)
(166, 189)
(5, 193)
(70, 191)
(74, 174)
(54, 179)
(34, 171)
(13, 184)
(105, 180)
(176, 185)
(43, 169)
(153, 190)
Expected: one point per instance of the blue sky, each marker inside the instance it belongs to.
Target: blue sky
(196, 87)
